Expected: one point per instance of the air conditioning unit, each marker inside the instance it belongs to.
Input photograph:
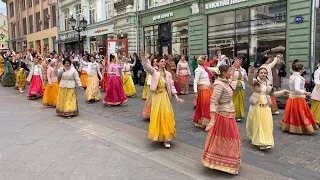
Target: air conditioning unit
(39, 21)
(48, 16)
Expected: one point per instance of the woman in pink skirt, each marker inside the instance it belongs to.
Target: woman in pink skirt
(35, 78)
(114, 93)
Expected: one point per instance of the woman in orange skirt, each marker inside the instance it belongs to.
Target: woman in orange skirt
(202, 91)
(223, 146)
(84, 74)
(52, 89)
(298, 118)
(183, 73)
(103, 84)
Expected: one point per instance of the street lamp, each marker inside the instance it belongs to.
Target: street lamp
(82, 25)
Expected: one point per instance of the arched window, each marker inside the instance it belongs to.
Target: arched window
(66, 19)
(93, 11)
(77, 10)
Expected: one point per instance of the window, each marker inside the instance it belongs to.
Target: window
(36, 2)
(151, 39)
(30, 3)
(53, 39)
(31, 45)
(45, 44)
(109, 9)
(93, 11)
(248, 33)
(77, 9)
(53, 16)
(13, 30)
(11, 8)
(38, 22)
(31, 24)
(24, 26)
(45, 18)
(23, 2)
(66, 19)
(154, 3)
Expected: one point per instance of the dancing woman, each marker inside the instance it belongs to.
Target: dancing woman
(315, 96)
(35, 78)
(103, 83)
(52, 89)
(238, 78)
(259, 125)
(128, 84)
(297, 118)
(223, 146)
(183, 73)
(94, 74)
(162, 123)
(67, 104)
(146, 86)
(114, 93)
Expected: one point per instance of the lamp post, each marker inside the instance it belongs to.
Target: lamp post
(78, 26)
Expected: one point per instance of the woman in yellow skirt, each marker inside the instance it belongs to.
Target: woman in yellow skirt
(315, 96)
(127, 82)
(238, 78)
(92, 91)
(162, 123)
(259, 125)
(21, 79)
(67, 99)
(146, 86)
(52, 89)
(84, 74)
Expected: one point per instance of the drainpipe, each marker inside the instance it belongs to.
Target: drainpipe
(313, 36)
(137, 26)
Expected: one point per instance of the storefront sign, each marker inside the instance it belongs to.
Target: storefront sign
(111, 48)
(98, 31)
(221, 3)
(163, 16)
(298, 19)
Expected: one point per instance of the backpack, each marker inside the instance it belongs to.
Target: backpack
(282, 71)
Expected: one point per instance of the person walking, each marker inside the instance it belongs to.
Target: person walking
(315, 96)
(94, 74)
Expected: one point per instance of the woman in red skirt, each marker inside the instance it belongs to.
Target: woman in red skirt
(35, 78)
(298, 118)
(103, 84)
(223, 147)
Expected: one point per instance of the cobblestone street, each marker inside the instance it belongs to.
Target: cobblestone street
(105, 141)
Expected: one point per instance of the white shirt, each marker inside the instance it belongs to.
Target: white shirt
(201, 77)
(297, 84)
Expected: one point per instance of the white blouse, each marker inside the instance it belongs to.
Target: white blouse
(201, 77)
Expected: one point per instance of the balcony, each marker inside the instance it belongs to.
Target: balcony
(120, 4)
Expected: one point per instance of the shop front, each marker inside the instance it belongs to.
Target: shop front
(251, 29)
(165, 31)
(97, 38)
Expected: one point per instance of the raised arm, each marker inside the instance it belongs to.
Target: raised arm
(147, 67)
(213, 61)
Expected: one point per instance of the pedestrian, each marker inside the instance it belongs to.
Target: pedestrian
(135, 68)
(114, 93)
(259, 125)
(202, 86)
(21, 80)
(162, 123)
(146, 86)
(36, 78)
(84, 71)
(147, 106)
(238, 78)
(128, 84)
(315, 96)
(67, 104)
(183, 73)
(94, 74)
(223, 146)
(297, 118)
(194, 64)
(52, 89)
(269, 63)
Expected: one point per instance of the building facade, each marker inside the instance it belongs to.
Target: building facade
(32, 24)
(108, 21)
(248, 29)
(4, 38)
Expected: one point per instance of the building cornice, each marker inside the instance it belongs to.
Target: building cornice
(69, 4)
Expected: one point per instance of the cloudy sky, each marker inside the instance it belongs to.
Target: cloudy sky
(3, 8)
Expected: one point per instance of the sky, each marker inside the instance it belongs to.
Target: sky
(3, 8)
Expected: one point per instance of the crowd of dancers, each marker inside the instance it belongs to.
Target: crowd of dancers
(219, 94)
